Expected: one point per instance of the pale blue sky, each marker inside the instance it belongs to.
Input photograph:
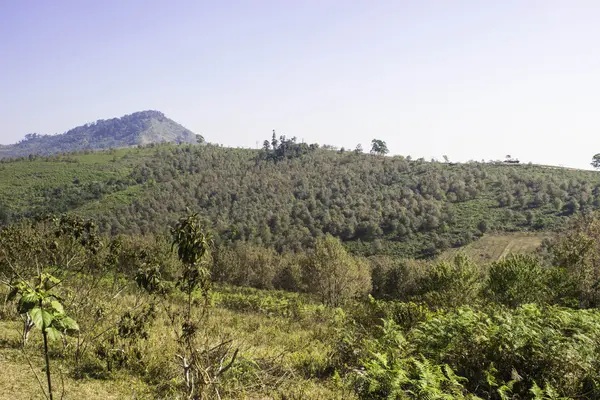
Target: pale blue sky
(470, 79)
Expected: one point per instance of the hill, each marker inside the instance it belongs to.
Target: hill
(139, 128)
(285, 197)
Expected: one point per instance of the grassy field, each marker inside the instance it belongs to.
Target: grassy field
(18, 378)
(496, 246)
(283, 354)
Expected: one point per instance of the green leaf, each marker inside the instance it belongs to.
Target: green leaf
(53, 333)
(57, 307)
(36, 316)
(41, 318)
(27, 302)
(67, 324)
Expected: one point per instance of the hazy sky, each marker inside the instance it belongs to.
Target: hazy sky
(471, 79)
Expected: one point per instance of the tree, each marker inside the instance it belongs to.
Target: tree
(578, 252)
(517, 279)
(450, 283)
(482, 226)
(274, 141)
(596, 161)
(334, 274)
(379, 147)
(358, 149)
(202, 364)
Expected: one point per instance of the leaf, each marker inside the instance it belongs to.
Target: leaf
(27, 302)
(53, 333)
(57, 307)
(69, 325)
(41, 318)
(36, 316)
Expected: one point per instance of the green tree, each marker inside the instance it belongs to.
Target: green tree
(517, 279)
(274, 142)
(577, 250)
(46, 312)
(450, 284)
(334, 274)
(596, 161)
(379, 147)
(482, 226)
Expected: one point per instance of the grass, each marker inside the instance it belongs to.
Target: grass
(493, 247)
(279, 357)
(18, 382)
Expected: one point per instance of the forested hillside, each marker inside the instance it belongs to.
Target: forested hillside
(288, 195)
(139, 128)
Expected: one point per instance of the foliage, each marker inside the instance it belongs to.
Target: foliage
(522, 327)
(376, 205)
(536, 344)
(450, 284)
(577, 251)
(45, 311)
(379, 147)
(516, 280)
(596, 161)
(333, 274)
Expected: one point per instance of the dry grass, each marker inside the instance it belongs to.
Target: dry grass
(18, 381)
(279, 358)
(494, 247)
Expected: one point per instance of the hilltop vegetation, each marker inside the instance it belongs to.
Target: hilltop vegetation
(139, 128)
(286, 196)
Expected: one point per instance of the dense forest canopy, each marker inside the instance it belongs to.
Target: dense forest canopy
(288, 194)
(375, 205)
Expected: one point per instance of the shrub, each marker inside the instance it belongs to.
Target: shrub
(516, 280)
(450, 283)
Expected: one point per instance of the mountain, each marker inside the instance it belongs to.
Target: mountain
(139, 128)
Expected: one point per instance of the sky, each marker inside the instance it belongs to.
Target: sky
(471, 79)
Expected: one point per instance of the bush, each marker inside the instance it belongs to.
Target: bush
(395, 279)
(516, 280)
(450, 284)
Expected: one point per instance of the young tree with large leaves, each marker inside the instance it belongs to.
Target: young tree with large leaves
(43, 307)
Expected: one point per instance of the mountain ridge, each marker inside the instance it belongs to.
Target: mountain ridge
(138, 128)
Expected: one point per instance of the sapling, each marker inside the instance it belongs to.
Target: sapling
(46, 312)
